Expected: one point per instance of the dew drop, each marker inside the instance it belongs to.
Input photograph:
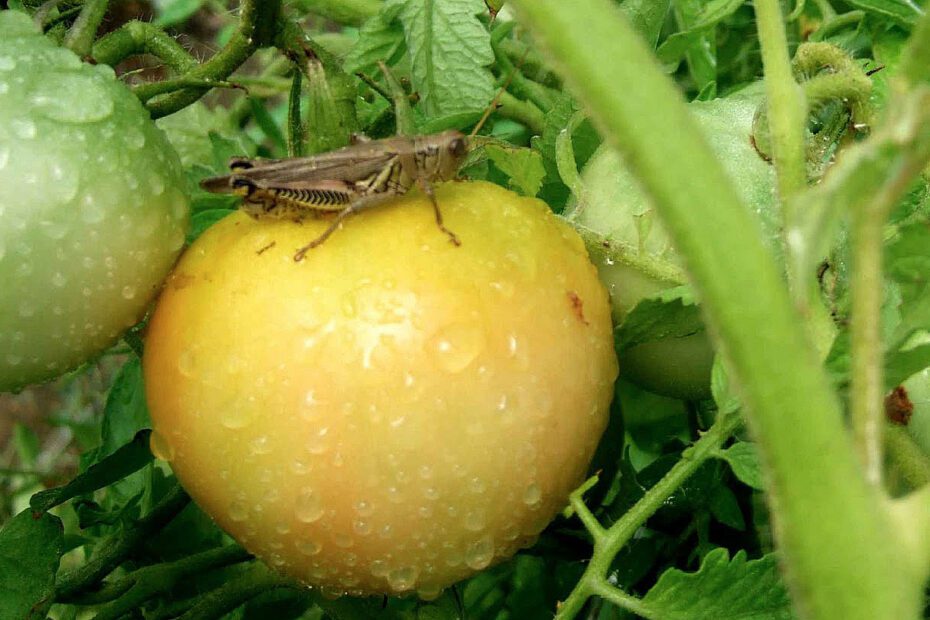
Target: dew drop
(237, 415)
(259, 445)
(318, 442)
(479, 553)
(532, 495)
(161, 447)
(308, 547)
(456, 346)
(7, 63)
(238, 511)
(402, 579)
(429, 592)
(4, 156)
(364, 509)
(475, 521)
(128, 292)
(361, 527)
(308, 507)
(92, 212)
(186, 364)
(23, 128)
(378, 568)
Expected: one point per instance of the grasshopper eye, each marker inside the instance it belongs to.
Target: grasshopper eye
(457, 147)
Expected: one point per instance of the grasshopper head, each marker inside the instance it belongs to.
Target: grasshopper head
(442, 153)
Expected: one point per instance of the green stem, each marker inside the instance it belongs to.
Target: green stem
(349, 12)
(785, 102)
(403, 114)
(143, 584)
(521, 111)
(836, 24)
(295, 130)
(137, 37)
(867, 385)
(258, 23)
(608, 543)
(906, 458)
(835, 535)
(114, 550)
(81, 37)
(150, 90)
(256, 580)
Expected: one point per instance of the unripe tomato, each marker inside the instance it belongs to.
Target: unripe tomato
(92, 213)
(393, 413)
(616, 207)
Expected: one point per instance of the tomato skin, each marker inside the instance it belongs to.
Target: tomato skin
(92, 209)
(393, 413)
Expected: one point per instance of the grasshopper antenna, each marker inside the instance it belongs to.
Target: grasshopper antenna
(496, 101)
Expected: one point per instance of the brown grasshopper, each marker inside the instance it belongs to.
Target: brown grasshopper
(345, 181)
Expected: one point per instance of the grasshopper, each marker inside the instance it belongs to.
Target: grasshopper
(345, 181)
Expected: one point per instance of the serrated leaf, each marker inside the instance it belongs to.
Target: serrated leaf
(128, 459)
(722, 589)
(523, 166)
(904, 12)
(743, 458)
(380, 38)
(672, 313)
(30, 548)
(450, 51)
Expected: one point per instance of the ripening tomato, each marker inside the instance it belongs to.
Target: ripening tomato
(393, 413)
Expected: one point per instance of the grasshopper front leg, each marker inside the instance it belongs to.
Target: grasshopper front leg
(427, 188)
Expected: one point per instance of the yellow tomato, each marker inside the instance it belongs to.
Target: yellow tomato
(393, 413)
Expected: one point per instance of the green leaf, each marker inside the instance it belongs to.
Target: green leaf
(647, 16)
(722, 589)
(126, 412)
(123, 462)
(27, 444)
(743, 458)
(672, 313)
(523, 166)
(450, 50)
(725, 508)
(904, 12)
(674, 48)
(29, 551)
(170, 12)
(379, 38)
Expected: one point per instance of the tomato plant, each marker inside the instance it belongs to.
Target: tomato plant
(389, 427)
(391, 424)
(93, 207)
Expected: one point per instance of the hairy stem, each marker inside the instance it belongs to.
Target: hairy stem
(841, 563)
(137, 37)
(258, 25)
(785, 102)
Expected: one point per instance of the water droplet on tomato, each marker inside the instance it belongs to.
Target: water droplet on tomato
(186, 363)
(456, 346)
(128, 292)
(532, 495)
(308, 507)
(429, 592)
(479, 553)
(318, 442)
(361, 527)
(92, 212)
(238, 511)
(72, 98)
(23, 128)
(7, 63)
(403, 578)
(475, 521)
(308, 547)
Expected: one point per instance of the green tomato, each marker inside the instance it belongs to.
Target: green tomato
(92, 212)
(615, 207)
(918, 393)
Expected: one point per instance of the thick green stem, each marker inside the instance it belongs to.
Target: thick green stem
(785, 101)
(295, 129)
(113, 551)
(81, 37)
(256, 580)
(521, 111)
(915, 60)
(607, 543)
(350, 12)
(867, 350)
(907, 461)
(833, 529)
(137, 37)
